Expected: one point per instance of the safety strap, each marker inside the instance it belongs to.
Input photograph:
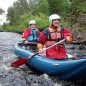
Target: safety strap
(56, 40)
(34, 34)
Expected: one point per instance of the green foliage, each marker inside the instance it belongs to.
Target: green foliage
(22, 12)
(57, 6)
(20, 7)
(23, 22)
(82, 8)
(0, 27)
(7, 27)
(78, 7)
(41, 7)
(11, 16)
(65, 23)
(41, 20)
(1, 11)
(75, 10)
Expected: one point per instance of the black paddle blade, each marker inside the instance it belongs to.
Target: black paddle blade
(19, 62)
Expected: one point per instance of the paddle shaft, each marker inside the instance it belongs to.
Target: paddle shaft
(48, 48)
(53, 45)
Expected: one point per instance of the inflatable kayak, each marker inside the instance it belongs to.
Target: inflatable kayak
(63, 69)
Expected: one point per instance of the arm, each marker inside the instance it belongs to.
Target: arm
(42, 39)
(43, 36)
(25, 34)
(67, 34)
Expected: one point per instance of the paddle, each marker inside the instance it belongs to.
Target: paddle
(78, 43)
(25, 60)
(29, 43)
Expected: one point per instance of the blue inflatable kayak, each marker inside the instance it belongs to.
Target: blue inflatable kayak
(63, 69)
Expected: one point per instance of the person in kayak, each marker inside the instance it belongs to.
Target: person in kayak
(54, 33)
(31, 34)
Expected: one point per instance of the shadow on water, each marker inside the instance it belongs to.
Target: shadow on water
(24, 76)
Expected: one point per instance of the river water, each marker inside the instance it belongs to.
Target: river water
(22, 76)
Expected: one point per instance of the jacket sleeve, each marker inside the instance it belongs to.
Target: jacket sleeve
(43, 36)
(66, 33)
(25, 33)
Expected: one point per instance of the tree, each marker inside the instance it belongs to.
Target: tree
(57, 6)
(1, 11)
(19, 8)
(77, 9)
(43, 6)
(11, 15)
(39, 6)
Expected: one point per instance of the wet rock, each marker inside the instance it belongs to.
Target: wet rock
(56, 84)
(34, 84)
(46, 76)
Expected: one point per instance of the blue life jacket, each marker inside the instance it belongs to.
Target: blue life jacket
(33, 36)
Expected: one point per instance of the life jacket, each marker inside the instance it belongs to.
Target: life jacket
(33, 36)
(54, 36)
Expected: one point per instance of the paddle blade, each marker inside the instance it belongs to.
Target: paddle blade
(19, 62)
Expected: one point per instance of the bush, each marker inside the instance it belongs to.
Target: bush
(23, 22)
(41, 20)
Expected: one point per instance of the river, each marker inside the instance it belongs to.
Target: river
(22, 76)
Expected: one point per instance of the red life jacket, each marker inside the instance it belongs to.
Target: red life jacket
(53, 36)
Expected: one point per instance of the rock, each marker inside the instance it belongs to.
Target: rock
(46, 76)
(56, 84)
(34, 84)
